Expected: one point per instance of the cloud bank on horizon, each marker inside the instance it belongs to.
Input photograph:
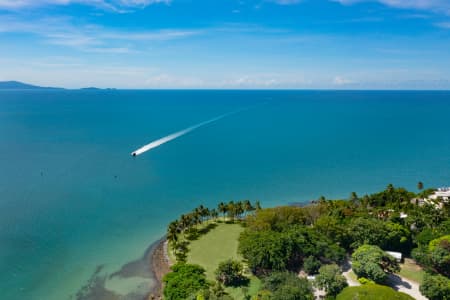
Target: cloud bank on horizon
(338, 44)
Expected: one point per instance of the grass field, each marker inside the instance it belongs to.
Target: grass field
(371, 292)
(411, 271)
(220, 244)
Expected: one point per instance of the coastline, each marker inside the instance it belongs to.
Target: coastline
(159, 266)
(151, 267)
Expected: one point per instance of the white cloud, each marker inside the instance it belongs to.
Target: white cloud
(114, 5)
(268, 81)
(164, 80)
(442, 6)
(339, 80)
(286, 2)
(90, 38)
(445, 25)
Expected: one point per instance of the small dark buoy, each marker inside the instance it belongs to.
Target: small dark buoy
(115, 176)
(42, 173)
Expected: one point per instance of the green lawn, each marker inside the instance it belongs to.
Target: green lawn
(412, 271)
(220, 244)
(371, 292)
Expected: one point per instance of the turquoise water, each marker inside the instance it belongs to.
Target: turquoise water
(75, 206)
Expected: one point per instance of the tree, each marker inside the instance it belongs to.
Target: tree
(420, 185)
(367, 231)
(331, 227)
(435, 287)
(276, 218)
(373, 263)
(257, 205)
(265, 250)
(439, 250)
(214, 214)
(248, 206)
(398, 237)
(223, 208)
(288, 286)
(330, 279)
(311, 265)
(230, 272)
(231, 210)
(354, 199)
(184, 281)
(436, 255)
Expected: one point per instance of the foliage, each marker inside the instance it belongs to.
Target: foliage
(184, 281)
(333, 228)
(267, 250)
(373, 263)
(311, 265)
(367, 231)
(371, 292)
(277, 218)
(230, 272)
(363, 280)
(436, 256)
(215, 292)
(330, 279)
(435, 287)
(287, 285)
(391, 197)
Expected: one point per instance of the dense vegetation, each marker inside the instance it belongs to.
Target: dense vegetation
(184, 281)
(279, 242)
(373, 263)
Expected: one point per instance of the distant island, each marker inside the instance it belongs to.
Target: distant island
(17, 85)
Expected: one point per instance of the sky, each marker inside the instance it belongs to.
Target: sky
(227, 44)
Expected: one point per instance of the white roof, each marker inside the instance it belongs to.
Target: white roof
(394, 254)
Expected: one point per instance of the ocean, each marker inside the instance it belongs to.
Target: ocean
(76, 207)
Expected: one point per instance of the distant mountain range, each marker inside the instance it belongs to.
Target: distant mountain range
(17, 85)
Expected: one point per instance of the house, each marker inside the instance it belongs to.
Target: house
(441, 193)
(438, 198)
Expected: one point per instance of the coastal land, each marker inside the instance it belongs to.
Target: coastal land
(372, 246)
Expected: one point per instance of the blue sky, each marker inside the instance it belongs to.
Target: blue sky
(307, 44)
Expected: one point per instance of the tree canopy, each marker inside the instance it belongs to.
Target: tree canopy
(184, 281)
(373, 263)
(330, 279)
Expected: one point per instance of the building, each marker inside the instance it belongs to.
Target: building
(438, 198)
(397, 255)
(441, 193)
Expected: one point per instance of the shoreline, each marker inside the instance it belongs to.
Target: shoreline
(152, 266)
(159, 266)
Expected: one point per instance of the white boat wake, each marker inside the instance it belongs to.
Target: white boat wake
(178, 134)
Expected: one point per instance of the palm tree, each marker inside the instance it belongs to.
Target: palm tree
(186, 221)
(231, 207)
(240, 209)
(196, 218)
(354, 198)
(420, 185)
(172, 232)
(214, 214)
(247, 206)
(257, 205)
(223, 208)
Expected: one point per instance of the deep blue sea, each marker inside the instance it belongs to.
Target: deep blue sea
(75, 207)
